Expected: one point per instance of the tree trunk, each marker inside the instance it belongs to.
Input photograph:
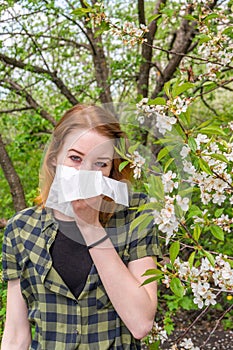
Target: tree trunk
(147, 50)
(12, 178)
(99, 61)
(101, 68)
(181, 46)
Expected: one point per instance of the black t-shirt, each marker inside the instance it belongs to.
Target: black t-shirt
(71, 257)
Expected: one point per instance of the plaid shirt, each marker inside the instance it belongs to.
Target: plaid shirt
(61, 321)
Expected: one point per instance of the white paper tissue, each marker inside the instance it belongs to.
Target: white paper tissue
(70, 184)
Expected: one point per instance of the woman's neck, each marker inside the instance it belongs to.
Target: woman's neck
(60, 216)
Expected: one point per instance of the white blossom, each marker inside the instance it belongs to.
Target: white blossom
(164, 123)
(188, 167)
(137, 163)
(187, 344)
(210, 298)
(182, 202)
(168, 183)
(218, 198)
(185, 151)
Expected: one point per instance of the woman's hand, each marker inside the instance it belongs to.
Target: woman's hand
(87, 219)
(87, 211)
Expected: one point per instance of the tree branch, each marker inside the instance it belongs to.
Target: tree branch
(182, 43)
(70, 42)
(207, 105)
(216, 325)
(12, 178)
(7, 111)
(193, 323)
(100, 64)
(36, 69)
(30, 100)
(147, 47)
(34, 42)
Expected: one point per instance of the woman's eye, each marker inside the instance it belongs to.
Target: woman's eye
(75, 158)
(100, 164)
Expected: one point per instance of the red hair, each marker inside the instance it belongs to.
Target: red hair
(83, 117)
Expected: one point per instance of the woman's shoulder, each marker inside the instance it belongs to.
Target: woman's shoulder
(27, 216)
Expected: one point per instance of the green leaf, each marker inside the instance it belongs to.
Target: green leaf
(210, 85)
(139, 220)
(104, 27)
(148, 206)
(152, 279)
(167, 88)
(153, 17)
(176, 287)
(133, 148)
(157, 101)
(165, 140)
(209, 257)
(194, 210)
(192, 144)
(191, 259)
(217, 232)
(156, 188)
(164, 151)
(196, 232)
(123, 165)
(145, 223)
(213, 130)
(120, 152)
(168, 163)
(174, 251)
(211, 16)
(218, 212)
(82, 11)
(204, 124)
(219, 157)
(155, 345)
(204, 166)
(190, 18)
(150, 272)
(228, 31)
(203, 38)
(177, 90)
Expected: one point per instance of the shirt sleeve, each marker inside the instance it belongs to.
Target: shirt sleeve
(11, 268)
(145, 244)
(144, 237)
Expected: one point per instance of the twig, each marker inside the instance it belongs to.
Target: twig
(193, 323)
(6, 111)
(189, 56)
(216, 325)
(207, 105)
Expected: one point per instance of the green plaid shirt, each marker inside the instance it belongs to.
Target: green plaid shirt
(61, 321)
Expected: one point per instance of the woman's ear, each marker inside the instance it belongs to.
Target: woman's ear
(54, 162)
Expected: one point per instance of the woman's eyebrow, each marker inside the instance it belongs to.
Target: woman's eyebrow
(74, 150)
(82, 154)
(104, 158)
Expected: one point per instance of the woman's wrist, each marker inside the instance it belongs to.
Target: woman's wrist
(98, 242)
(95, 235)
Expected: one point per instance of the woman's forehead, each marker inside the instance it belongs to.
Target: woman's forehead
(87, 141)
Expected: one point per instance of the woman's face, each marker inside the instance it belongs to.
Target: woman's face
(87, 150)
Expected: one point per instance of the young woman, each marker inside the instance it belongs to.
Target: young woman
(78, 280)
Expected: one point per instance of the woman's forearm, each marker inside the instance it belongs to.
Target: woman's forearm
(14, 343)
(133, 303)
